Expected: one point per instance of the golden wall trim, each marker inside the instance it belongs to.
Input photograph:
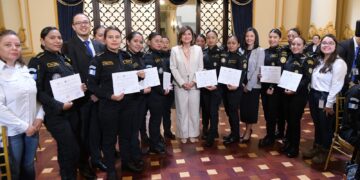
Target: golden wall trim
(56, 14)
(328, 29)
(348, 32)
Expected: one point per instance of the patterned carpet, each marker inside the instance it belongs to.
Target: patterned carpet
(192, 161)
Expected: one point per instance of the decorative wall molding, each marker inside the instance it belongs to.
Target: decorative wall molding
(328, 29)
(348, 32)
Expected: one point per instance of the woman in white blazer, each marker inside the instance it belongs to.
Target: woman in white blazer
(249, 105)
(186, 59)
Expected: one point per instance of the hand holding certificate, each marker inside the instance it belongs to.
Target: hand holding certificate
(167, 81)
(229, 76)
(290, 80)
(206, 78)
(151, 78)
(67, 88)
(270, 74)
(125, 82)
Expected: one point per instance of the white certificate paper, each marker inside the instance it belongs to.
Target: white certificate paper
(270, 74)
(125, 82)
(167, 81)
(229, 76)
(67, 88)
(290, 80)
(151, 78)
(206, 78)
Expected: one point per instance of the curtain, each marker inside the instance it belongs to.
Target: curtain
(242, 15)
(66, 10)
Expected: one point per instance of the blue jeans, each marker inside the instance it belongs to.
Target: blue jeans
(22, 151)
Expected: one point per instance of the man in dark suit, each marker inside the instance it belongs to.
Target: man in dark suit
(81, 50)
(349, 50)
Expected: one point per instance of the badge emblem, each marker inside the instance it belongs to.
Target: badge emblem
(283, 60)
(161, 70)
(223, 60)
(215, 64)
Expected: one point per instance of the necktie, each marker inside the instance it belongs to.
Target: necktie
(356, 58)
(87, 44)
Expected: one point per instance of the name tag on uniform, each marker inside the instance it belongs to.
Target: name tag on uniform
(321, 104)
(355, 71)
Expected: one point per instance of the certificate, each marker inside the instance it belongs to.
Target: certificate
(206, 78)
(229, 76)
(67, 88)
(151, 78)
(290, 80)
(270, 74)
(167, 81)
(125, 82)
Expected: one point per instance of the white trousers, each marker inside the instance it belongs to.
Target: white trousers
(187, 104)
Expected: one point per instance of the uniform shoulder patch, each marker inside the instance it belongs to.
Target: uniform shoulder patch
(52, 64)
(310, 61)
(107, 63)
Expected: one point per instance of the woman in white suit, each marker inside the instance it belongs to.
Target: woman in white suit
(185, 60)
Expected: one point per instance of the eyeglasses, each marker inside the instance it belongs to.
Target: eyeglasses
(81, 23)
(330, 43)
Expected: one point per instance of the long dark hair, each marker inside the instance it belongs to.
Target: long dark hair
(244, 45)
(333, 56)
(44, 32)
(8, 32)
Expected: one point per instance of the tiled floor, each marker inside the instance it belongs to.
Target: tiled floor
(192, 161)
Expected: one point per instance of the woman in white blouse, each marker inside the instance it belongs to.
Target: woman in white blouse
(185, 60)
(326, 82)
(18, 107)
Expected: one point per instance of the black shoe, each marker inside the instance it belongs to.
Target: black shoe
(156, 150)
(292, 153)
(169, 135)
(87, 173)
(131, 166)
(112, 176)
(225, 138)
(140, 163)
(285, 148)
(209, 143)
(266, 141)
(100, 165)
(231, 140)
(216, 135)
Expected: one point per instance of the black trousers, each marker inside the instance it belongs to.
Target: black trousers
(130, 122)
(231, 100)
(94, 134)
(294, 108)
(64, 128)
(271, 107)
(324, 125)
(110, 117)
(210, 111)
(154, 102)
(168, 102)
(280, 123)
(86, 116)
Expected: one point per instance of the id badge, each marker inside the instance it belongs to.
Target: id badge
(355, 71)
(321, 104)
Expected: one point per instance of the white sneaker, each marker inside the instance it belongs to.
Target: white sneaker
(193, 139)
(183, 140)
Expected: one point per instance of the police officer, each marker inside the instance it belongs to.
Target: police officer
(211, 96)
(155, 99)
(294, 102)
(270, 93)
(169, 99)
(232, 93)
(61, 118)
(116, 111)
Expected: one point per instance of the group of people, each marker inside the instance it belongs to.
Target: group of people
(88, 130)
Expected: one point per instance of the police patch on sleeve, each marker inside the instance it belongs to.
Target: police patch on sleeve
(33, 71)
(92, 70)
